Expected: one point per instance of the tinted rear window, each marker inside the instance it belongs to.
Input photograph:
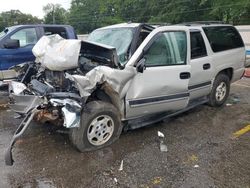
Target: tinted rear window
(223, 38)
(198, 48)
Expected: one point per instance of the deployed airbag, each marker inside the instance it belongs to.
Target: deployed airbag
(56, 53)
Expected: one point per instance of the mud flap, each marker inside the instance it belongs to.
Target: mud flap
(19, 132)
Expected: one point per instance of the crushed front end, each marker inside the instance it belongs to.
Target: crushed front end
(48, 97)
(64, 78)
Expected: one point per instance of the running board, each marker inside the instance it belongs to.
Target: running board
(151, 119)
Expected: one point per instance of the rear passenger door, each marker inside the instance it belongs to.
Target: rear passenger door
(201, 66)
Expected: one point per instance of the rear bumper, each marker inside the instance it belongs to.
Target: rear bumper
(237, 74)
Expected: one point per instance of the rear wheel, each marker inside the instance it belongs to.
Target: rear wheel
(220, 90)
(100, 126)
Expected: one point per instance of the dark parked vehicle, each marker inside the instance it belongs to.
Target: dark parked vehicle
(16, 42)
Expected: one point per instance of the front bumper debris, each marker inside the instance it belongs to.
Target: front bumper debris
(22, 104)
(71, 111)
(19, 132)
(31, 107)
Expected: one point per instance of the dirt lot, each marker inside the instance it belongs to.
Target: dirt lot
(202, 152)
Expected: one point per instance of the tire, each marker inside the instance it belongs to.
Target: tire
(100, 126)
(220, 91)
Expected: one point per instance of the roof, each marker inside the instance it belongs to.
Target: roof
(122, 25)
(204, 23)
(191, 25)
(42, 25)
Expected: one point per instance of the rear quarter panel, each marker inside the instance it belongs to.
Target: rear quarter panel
(233, 58)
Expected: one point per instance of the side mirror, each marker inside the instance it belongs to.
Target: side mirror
(12, 44)
(140, 66)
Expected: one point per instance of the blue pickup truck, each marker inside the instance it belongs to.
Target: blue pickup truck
(16, 42)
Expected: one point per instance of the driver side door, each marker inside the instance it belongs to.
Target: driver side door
(27, 39)
(163, 86)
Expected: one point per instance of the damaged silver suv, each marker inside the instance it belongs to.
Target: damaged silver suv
(124, 77)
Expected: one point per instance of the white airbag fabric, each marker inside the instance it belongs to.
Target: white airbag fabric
(56, 53)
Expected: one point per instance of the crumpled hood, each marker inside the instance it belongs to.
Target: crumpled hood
(104, 54)
(116, 78)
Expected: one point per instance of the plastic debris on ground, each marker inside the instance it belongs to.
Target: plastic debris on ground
(163, 147)
(233, 100)
(160, 134)
(121, 166)
(236, 100)
(116, 181)
(196, 166)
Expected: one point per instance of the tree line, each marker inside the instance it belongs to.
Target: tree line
(15, 17)
(86, 15)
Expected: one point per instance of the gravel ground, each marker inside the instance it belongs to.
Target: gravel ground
(201, 152)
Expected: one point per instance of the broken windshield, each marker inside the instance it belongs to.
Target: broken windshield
(120, 38)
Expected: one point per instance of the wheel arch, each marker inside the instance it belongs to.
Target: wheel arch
(94, 108)
(228, 72)
(107, 94)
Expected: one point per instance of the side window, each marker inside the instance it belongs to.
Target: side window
(25, 36)
(55, 30)
(223, 38)
(169, 48)
(198, 48)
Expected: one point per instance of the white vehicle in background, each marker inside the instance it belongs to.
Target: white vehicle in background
(244, 31)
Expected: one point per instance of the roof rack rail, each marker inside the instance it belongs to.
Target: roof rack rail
(155, 24)
(201, 23)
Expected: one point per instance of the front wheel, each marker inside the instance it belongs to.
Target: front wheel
(100, 126)
(220, 91)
